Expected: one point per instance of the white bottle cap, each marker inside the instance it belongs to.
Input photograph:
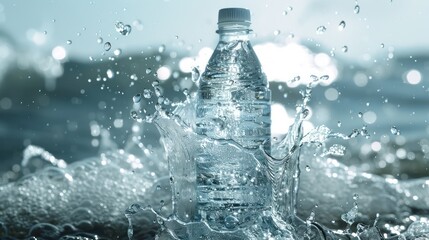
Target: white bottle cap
(234, 16)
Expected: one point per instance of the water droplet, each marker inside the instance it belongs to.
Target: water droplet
(355, 196)
(305, 113)
(360, 114)
(122, 28)
(137, 98)
(276, 32)
(290, 8)
(117, 52)
(45, 32)
(382, 45)
(186, 92)
(307, 168)
(314, 78)
(195, 74)
(147, 93)
(345, 49)
(231, 222)
(324, 77)
(100, 40)
(158, 187)
(321, 30)
(285, 12)
(395, 131)
(148, 70)
(69, 42)
(134, 77)
(357, 9)
(341, 26)
(161, 48)
(110, 74)
(339, 123)
(134, 115)
(107, 46)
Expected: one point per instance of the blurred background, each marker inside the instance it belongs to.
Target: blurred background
(69, 71)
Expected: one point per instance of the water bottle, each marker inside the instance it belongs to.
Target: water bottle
(233, 103)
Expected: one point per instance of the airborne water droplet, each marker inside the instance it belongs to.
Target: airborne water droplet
(360, 114)
(324, 77)
(161, 48)
(395, 131)
(148, 70)
(341, 26)
(321, 30)
(382, 45)
(69, 42)
(276, 32)
(117, 52)
(134, 115)
(195, 74)
(307, 168)
(147, 93)
(107, 46)
(357, 9)
(345, 49)
(339, 123)
(110, 73)
(122, 28)
(100, 40)
(137, 98)
(355, 196)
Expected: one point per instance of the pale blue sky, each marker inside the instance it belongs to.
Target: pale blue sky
(398, 24)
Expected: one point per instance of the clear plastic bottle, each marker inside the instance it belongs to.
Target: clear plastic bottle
(233, 103)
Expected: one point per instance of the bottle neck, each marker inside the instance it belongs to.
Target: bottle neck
(233, 32)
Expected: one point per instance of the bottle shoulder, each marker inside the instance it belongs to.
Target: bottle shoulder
(234, 60)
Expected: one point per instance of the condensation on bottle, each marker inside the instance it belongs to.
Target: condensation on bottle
(233, 103)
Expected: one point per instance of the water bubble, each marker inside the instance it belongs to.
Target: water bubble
(147, 93)
(395, 131)
(345, 49)
(148, 70)
(107, 46)
(69, 42)
(137, 98)
(100, 40)
(195, 74)
(341, 26)
(321, 30)
(307, 168)
(357, 9)
(122, 28)
(117, 52)
(231, 222)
